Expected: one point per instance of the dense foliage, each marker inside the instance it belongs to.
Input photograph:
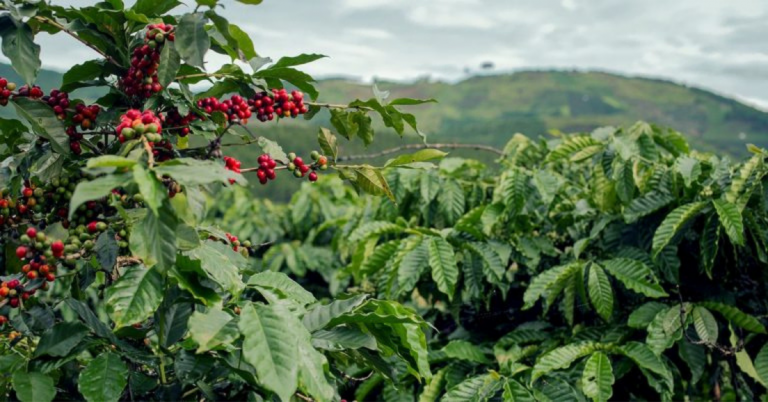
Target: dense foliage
(613, 265)
(112, 288)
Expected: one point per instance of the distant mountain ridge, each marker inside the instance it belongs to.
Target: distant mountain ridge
(488, 109)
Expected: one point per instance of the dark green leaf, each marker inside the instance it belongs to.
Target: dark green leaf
(103, 379)
(192, 41)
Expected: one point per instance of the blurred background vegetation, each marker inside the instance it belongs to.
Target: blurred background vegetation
(489, 109)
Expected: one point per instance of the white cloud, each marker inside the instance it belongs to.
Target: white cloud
(369, 33)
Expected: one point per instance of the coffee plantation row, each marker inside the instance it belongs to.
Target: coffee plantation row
(617, 265)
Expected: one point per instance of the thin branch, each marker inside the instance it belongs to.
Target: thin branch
(55, 24)
(253, 169)
(204, 75)
(337, 106)
(150, 154)
(726, 351)
(476, 147)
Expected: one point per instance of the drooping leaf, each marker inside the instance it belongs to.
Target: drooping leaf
(95, 189)
(103, 379)
(170, 61)
(705, 324)
(153, 239)
(33, 386)
(282, 283)
(44, 122)
(475, 389)
(270, 346)
(134, 296)
(61, 339)
(561, 358)
(212, 329)
(731, 219)
(635, 275)
(19, 46)
(192, 40)
(644, 358)
(464, 350)
(597, 379)
(673, 223)
(445, 271)
(735, 316)
(600, 292)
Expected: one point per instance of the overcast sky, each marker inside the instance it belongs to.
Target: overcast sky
(714, 44)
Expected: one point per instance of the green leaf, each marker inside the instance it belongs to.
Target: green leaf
(33, 387)
(549, 284)
(731, 220)
(433, 390)
(328, 145)
(134, 296)
(321, 314)
(664, 330)
(418, 156)
(103, 379)
(153, 239)
(312, 371)
(644, 358)
(572, 145)
(20, 47)
(646, 204)
(193, 172)
(688, 167)
(709, 244)
(761, 364)
(445, 271)
(738, 191)
(474, 389)
(61, 339)
(705, 324)
(491, 259)
(635, 276)
(43, 122)
(451, 200)
(82, 72)
(282, 283)
(96, 189)
(170, 61)
(270, 346)
(561, 358)
(516, 392)
(409, 101)
(291, 61)
(643, 315)
(412, 265)
(192, 40)
(212, 329)
(110, 161)
(154, 7)
(273, 149)
(251, 2)
(600, 292)
(695, 356)
(735, 316)
(597, 379)
(371, 181)
(218, 262)
(464, 350)
(673, 223)
(150, 187)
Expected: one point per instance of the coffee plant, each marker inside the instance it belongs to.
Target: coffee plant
(113, 287)
(613, 265)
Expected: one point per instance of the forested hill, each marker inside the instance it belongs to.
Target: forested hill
(489, 108)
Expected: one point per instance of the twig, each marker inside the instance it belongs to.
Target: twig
(726, 351)
(150, 154)
(55, 24)
(304, 397)
(337, 106)
(253, 169)
(356, 379)
(476, 147)
(204, 75)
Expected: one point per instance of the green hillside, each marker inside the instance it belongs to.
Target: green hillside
(487, 109)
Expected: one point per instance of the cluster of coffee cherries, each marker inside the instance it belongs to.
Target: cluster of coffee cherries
(37, 249)
(280, 103)
(135, 124)
(266, 169)
(236, 108)
(6, 90)
(300, 168)
(232, 164)
(59, 102)
(141, 80)
(178, 124)
(33, 92)
(241, 247)
(85, 118)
